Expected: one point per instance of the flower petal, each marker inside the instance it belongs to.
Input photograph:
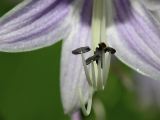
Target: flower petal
(35, 24)
(151, 4)
(136, 37)
(72, 72)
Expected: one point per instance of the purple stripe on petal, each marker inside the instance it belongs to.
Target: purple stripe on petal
(47, 25)
(138, 34)
(49, 13)
(23, 15)
(30, 12)
(25, 9)
(148, 27)
(51, 24)
(87, 8)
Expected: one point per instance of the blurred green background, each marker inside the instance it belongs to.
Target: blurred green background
(29, 87)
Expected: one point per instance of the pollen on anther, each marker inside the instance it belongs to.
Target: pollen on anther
(81, 50)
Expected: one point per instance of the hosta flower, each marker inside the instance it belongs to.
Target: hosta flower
(131, 27)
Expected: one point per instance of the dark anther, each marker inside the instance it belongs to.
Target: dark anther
(95, 57)
(109, 49)
(98, 53)
(102, 45)
(81, 50)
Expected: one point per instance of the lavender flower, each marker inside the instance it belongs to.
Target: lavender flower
(129, 26)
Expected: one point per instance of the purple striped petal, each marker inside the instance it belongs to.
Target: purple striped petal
(35, 24)
(151, 4)
(136, 37)
(72, 73)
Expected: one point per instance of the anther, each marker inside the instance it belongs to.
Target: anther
(110, 49)
(81, 50)
(102, 45)
(95, 57)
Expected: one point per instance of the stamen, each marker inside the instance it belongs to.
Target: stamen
(81, 50)
(86, 70)
(86, 110)
(96, 80)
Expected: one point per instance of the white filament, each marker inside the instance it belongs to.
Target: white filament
(99, 77)
(86, 70)
(86, 110)
(93, 75)
(95, 83)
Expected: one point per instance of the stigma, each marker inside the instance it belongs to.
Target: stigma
(96, 67)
